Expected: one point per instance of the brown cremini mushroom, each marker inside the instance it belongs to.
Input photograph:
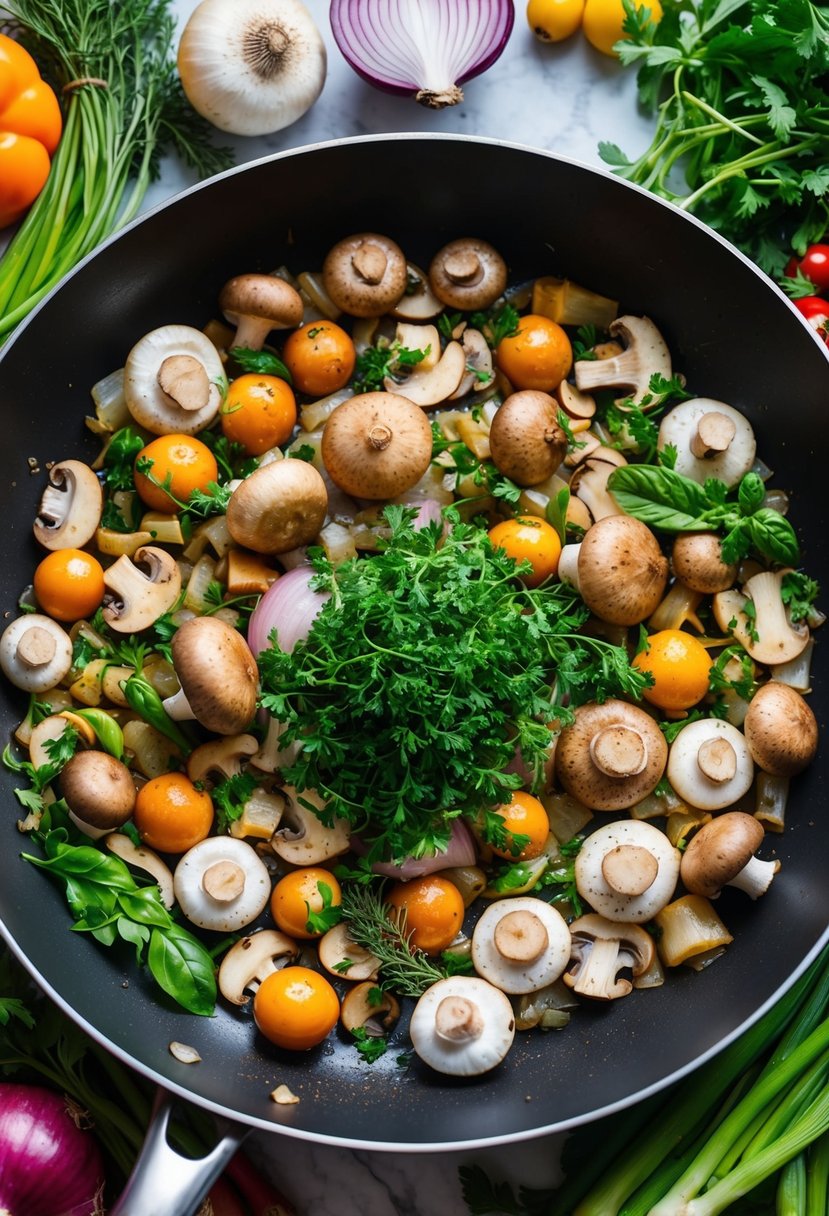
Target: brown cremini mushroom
(376, 445)
(365, 274)
(781, 730)
(620, 571)
(468, 274)
(612, 756)
(218, 676)
(721, 854)
(279, 507)
(99, 791)
(525, 438)
(696, 558)
(601, 949)
(258, 303)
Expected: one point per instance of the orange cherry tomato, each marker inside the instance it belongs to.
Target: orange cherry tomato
(300, 893)
(603, 20)
(171, 814)
(259, 412)
(320, 356)
(433, 908)
(529, 539)
(680, 667)
(524, 815)
(186, 461)
(69, 584)
(295, 1008)
(30, 129)
(538, 355)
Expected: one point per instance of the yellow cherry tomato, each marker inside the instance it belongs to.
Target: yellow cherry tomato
(680, 667)
(320, 356)
(603, 19)
(554, 20)
(259, 412)
(529, 539)
(171, 814)
(69, 584)
(300, 893)
(538, 355)
(186, 461)
(433, 908)
(523, 816)
(295, 1008)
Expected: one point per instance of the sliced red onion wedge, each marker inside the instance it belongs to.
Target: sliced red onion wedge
(460, 851)
(290, 607)
(425, 48)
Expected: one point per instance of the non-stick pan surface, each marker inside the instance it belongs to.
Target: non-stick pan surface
(734, 337)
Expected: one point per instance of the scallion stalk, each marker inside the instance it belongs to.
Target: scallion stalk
(791, 1189)
(816, 1172)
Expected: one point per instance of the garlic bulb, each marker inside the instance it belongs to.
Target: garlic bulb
(251, 67)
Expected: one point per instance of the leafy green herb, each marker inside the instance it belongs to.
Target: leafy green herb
(260, 362)
(496, 324)
(200, 504)
(329, 915)
(305, 451)
(798, 593)
(739, 89)
(587, 336)
(375, 363)
(427, 667)
(229, 797)
(370, 1046)
(143, 699)
(119, 459)
(447, 323)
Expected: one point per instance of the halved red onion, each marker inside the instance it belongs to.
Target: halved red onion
(460, 851)
(424, 48)
(428, 512)
(290, 607)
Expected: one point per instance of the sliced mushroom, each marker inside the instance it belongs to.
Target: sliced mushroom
(780, 730)
(367, 1007)
(365, 274)
(250, 960)
(99, 791)
(601, 949)
(142, 858)
(620, 571)
(418, 302)
(258, 303)
(768, 634)
(479, 373)
(135, 600)
(279, 507)
(612, 756)
(221, 884)
(35, 652)
(345, 958)
(520, 944)
(223, 756)
(305, 840)
(589, 485)
(576, 404)
(70, 507)
(709, 765)
(462, 1026)
(711, 439)
(174, 381)
(721, 854)
(646, 355)
(218, 676)
(627, 870)
(433, 385)
(468, 274)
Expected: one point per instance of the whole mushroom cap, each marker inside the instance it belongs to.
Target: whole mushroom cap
(258, 303)
(279, 507)
(781, 730)
(719, 851)
(98, 789)
(365, 274)
(468, 273)
(709, 765)
(35, 652)
(462, 1026)
(622, 572)
(612, 756)
(627, 870)
(526, 441)
(377, 445)
(520, 944)
(217, 673)
(697, 562)
(221, 883)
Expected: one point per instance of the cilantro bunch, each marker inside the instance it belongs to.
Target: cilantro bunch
(419, 678)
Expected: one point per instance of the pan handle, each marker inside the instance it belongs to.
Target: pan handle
(164, 1181)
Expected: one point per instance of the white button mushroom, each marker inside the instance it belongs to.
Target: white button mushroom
(601, 949)
(627, 870)
(462, 1026)
(612, 756)
(709, 765)
(711, 439)
(646, 355)
(174, 381)
(521, 944)
(221, 883)
(70, 507)
(721, 854)
(35, 652)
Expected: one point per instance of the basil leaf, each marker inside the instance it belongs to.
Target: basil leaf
(139, 935)
(659, 497)
(84, 862)
(773, 536)
(183, 968)
(750, 494)
(144, 907)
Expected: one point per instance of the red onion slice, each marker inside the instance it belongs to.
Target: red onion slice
(422, 47)
(290, 607)
(460, 851)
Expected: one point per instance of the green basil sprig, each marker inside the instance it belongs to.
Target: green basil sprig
(664, 499)
(143, 699)
(106, 901)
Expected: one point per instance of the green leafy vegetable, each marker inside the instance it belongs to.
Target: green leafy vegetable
(377, 362)
(260, 362)
(329, 915)
(370, 1046)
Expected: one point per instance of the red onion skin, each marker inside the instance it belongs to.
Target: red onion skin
(288, 606)
(460, 851)
(48, 1165)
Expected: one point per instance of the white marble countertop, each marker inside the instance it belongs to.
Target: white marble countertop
(565, 99)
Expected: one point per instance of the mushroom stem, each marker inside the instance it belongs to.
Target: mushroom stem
(369, 262)
(755, 877)
(36, 647)
(717, 759)
(185, 380)
(458, 1020)
(597, 973)
(520, 937)
(379, 436)
(463, 266)
(619, 751)
(630, 869)
(224, 881)
(714, 433)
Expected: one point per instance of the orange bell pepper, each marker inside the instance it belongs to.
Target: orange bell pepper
(30, 129)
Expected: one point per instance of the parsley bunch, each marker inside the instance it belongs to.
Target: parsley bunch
(430, 664)
(739, 87)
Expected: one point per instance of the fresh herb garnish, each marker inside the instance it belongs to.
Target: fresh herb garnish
(375, 363)
(260, 362)
(329, 915)
(370, 1046)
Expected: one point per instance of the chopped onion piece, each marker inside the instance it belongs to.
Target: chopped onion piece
(184, 1053)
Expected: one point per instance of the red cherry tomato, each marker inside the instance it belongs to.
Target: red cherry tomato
(815, 265)
(816, 312)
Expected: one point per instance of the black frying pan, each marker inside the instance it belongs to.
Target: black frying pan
(732, 334)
